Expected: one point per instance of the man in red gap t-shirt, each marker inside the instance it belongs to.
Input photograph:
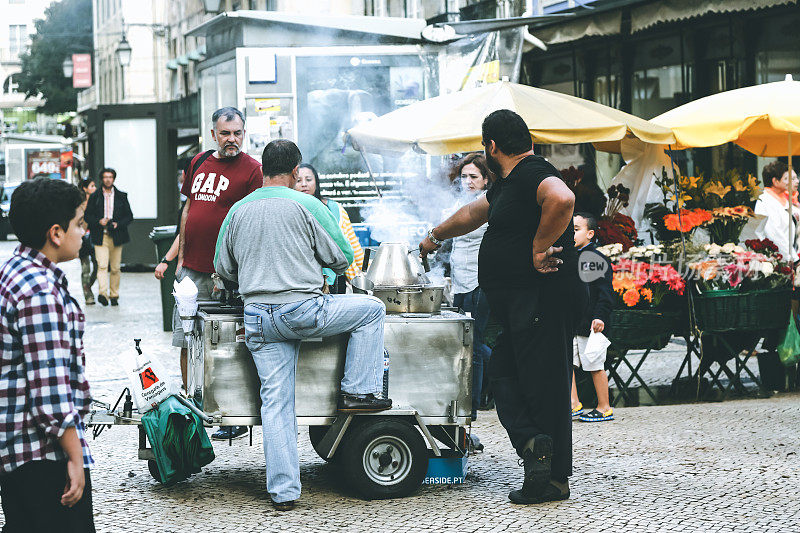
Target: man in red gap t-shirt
(217, 181)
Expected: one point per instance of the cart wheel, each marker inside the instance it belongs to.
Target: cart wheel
(384, 458)
(315, 435)
(152, 466)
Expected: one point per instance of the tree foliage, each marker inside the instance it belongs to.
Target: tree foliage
(65, 30)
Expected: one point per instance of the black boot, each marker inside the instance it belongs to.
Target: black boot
(554, 491)
(537, 457)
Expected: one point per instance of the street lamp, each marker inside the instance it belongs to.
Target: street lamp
(211, 6)
(124, 52)
(67, 67)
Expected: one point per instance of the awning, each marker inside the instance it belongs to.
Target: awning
(673, 10)
(598, 25)
(399, 27)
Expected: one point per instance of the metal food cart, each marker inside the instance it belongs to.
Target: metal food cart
(428, 375)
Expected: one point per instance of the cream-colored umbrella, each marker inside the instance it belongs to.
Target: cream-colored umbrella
(451, 123)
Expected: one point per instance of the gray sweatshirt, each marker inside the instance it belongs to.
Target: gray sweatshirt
(274, 244)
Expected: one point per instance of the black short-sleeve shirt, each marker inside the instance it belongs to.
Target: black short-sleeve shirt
(506, 254)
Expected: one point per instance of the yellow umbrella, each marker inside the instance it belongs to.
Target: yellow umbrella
(451, 123)
(763, 119)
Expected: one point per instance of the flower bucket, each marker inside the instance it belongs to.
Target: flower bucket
(641, 329)
(730, 309)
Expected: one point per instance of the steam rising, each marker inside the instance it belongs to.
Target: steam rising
(426, 198)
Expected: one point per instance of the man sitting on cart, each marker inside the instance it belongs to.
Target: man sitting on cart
(274, 244)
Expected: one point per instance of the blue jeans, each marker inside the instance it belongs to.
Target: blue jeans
(273, 333)
(477, 305)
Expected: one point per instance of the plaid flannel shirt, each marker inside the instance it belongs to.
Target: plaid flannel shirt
(43, 389)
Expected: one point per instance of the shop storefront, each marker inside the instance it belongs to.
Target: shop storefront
(649, 57)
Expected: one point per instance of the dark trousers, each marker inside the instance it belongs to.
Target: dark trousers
(477, 305)
(531, 365)
(32, 500)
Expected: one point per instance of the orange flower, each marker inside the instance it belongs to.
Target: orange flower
(647, 294)
(741, 210)
(622, 281)
(708, 270)
(688, 220)
(701, 215)
(631, 297)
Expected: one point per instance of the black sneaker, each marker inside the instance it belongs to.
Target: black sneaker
(102, 299)
(283, 506)
(362, 403)
(554, 491)
(114, 301)
(229, 432)
(474, 443)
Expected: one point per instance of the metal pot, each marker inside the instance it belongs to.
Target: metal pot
(361, 284)
(393, 265)
(410, 299)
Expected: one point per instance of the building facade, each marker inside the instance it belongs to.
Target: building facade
(18, 113)
(649, 56)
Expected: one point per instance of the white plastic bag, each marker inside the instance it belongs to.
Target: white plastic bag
(149, 381)
(596, 347)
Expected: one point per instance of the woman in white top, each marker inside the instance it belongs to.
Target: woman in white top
(773, 203)
(474, 178)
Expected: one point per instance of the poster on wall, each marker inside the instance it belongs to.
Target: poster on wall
(40, 162)
(267, 119)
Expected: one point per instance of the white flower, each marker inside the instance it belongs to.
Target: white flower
(767, 268)
(738, 249)
(728, 247)
(713, 249)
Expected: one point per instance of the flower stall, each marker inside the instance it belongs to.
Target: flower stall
(647, 313)
(740, 294)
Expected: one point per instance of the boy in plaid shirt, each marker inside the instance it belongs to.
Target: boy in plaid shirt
(44, 395)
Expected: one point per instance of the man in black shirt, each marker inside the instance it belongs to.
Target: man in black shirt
(528, 267)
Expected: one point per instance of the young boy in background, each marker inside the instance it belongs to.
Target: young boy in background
(594, 318)
(44, 395)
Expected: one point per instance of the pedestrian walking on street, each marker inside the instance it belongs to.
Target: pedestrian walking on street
(108, 215)
(593, 319)
(86, 255)
(527, 266)
(214, 181)
(44, 480)
(274, 245)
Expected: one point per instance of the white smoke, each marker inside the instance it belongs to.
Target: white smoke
(426, 199)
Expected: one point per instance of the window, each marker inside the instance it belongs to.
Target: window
(657, 90)
(16, 1)
(10, 86)
(17, 38)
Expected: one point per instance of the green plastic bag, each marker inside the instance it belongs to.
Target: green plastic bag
(789, 348)
(179, 440)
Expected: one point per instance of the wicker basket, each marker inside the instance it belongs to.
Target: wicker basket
(641, 329)
(732, 310)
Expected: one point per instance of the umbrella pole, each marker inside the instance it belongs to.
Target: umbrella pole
(792, 231)
(371, 176)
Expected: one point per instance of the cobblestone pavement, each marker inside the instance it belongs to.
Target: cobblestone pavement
(728, 467)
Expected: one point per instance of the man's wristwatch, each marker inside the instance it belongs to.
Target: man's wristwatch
(433, 239)
(164, 260)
